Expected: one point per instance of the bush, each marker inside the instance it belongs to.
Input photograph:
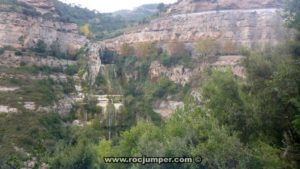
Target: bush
(127, 50)
(206, 48)
(2, 50)
(69, 86)
(71, 70)
(100, 80)
(107, 56)
(41, 47)
(30, 12)
(146, 50)
(18, 53)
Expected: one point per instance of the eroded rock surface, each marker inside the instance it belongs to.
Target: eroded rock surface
(10, 59)
(7, 109)
(247, 23)
(182, 75)
(189, 6)
(247, 28)
(42, 6)
(21, 31)
(166, 108)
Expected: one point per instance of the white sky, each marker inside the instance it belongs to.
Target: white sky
(114, 5)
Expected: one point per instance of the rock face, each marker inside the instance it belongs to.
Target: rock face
(8, 89)
(177, 74)
(255, 25)
(21, 31)
(231, 62)
(190, 6)
(7, 109)
(166, 108)
(10, 59)
(181, 75)
(42, 6)
(94, 61)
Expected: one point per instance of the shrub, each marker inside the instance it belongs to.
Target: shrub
(127, 50)
(146, 49)
(41, 46)
(2, 50)
(71, 70)
(100, 80)
(205, 47)
(107, 56)
(18, 53)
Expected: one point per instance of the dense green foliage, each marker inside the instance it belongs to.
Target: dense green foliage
(190, 132)
(28, 132)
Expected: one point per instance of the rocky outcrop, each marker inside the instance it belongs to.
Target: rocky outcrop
(167, 108)
(104, 100)
(94, 61)
(21, 31)
(8, 89)
(247, 23)
(190, 6)
(7, 109)
(231, 62)
(59, 77)
(29, 106)
(10, 59)
(249, 28)
(63, 106)
(42, 6)
(182, 75)
(177, 74)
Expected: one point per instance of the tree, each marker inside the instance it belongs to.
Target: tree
(146, 49)
(127, 50)
(2, 50)
(72, 50)
(161, 7)
(205, 47)
(293, 14)
(85, 30)
(229, 48)
(41, 46)
(107, 56)
(177, 49)
(190, 132)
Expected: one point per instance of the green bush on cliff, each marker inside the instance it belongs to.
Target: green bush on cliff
(2, 50)
(71, 70)
(40, 47)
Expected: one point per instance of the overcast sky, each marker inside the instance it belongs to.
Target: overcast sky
(114, 5)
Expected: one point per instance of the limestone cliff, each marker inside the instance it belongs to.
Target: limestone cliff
(42, 6)
(183, 75)
(247, 23)
(21, 31)
(190, 6)
(22, 25)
